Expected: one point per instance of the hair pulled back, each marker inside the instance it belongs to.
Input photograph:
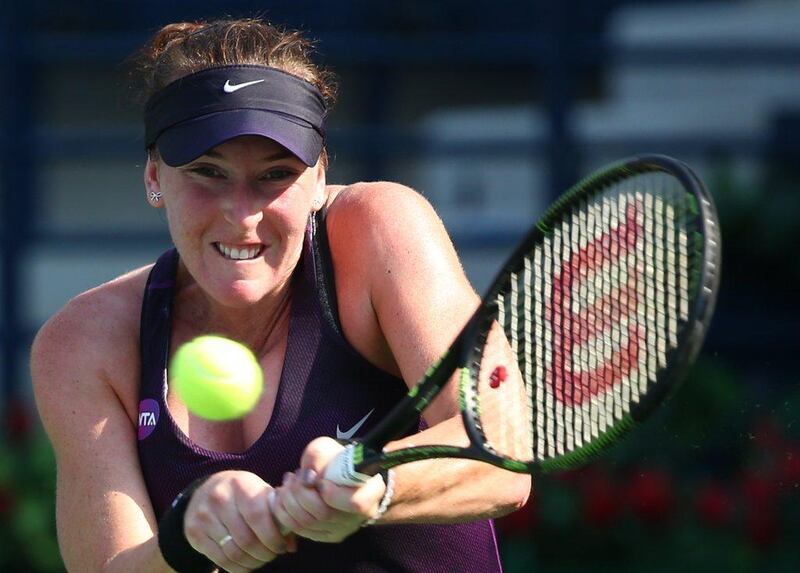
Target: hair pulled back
(184, 48)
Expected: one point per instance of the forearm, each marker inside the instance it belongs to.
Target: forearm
(107, 533)
(451, 490)
(434, 491)
(145, 557)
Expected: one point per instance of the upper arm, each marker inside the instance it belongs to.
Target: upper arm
(80, 360)
(403, 294)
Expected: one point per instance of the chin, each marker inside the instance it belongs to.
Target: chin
(243, 294)
(241, 285)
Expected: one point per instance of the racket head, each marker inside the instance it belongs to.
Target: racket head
(605, 305)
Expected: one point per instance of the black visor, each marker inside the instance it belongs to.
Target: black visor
(199, 111)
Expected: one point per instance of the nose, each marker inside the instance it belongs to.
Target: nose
(242, 207)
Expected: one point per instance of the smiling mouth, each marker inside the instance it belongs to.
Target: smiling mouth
(239, 253)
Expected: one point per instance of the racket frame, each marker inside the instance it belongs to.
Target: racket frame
(366, 457)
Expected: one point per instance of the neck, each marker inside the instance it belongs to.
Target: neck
(259, 326)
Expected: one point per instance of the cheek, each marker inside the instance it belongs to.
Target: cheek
(291, 210)
(288, 229)
(180, 225)
(187, 221)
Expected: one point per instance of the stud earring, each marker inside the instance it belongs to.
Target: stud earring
(155, 196)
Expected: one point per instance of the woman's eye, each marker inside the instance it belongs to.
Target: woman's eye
(278, 175)
(206, 171)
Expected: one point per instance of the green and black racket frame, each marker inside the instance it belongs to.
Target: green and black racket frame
(604, 306)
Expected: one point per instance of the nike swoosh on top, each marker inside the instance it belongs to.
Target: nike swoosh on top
(340, 435)
(229, 88)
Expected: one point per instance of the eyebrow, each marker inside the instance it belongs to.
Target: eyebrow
(282, 153)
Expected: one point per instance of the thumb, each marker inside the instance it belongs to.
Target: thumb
(318, 453)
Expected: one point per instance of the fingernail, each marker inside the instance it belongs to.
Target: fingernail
(271, 500)
(308, 477)
(286, 477)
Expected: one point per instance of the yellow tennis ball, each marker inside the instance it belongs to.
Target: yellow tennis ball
(217, 378)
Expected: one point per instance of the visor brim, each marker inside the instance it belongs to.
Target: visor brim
(186, 141)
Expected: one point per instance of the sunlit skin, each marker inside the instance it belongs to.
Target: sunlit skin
(247, 193)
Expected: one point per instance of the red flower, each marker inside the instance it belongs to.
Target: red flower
(759, 491)
(762, 527)
(761, 495)
(650, 496)
(768, 434)
(714, 505)
(789, 468)
(17, 421)
(6, 502)
(600, 499)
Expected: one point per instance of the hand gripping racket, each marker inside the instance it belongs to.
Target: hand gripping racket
(590, 324)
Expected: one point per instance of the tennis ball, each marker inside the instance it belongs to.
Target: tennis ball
(217, 378)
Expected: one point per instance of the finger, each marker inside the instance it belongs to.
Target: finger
(319, 452)
(362, 500)
(312, 504)
(236, 556)
(204, 531)
(213, 540)
(283, 520)
(308, 478)
(337, 526)
(326, 523)
(244, 548)
(291, 542)
(256, 513)
(215, 514)
(305, 494)
(216, 554)
(289, 493)
(288, 535)
(289, 527)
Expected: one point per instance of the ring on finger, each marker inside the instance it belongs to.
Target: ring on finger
(225, 540)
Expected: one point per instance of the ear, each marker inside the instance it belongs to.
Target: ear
(320, 189)
(152, 187)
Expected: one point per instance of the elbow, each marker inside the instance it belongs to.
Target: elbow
(517, 491)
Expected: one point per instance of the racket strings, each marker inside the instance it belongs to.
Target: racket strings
(589, 317)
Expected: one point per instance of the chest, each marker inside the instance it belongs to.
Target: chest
(315, 383)
(237, 435)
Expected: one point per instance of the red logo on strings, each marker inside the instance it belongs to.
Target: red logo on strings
(571, 328)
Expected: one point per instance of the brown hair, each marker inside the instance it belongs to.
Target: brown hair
(184, 48)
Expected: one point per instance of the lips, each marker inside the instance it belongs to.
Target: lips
(239, 252)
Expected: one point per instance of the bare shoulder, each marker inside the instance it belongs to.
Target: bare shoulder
(399, 284)
(380, 228)
(376, 197)
(364, 215)
(89, 348)
(103, 315)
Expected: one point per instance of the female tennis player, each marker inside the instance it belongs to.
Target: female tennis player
(346, 293)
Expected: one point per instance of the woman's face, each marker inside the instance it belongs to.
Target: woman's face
(238, 214)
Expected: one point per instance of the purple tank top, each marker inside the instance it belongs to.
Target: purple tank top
(324, 383)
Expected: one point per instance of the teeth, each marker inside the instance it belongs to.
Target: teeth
(238, 254)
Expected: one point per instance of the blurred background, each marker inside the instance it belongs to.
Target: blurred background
(490, 108)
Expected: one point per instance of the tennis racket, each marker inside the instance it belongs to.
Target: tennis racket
(591, 323)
